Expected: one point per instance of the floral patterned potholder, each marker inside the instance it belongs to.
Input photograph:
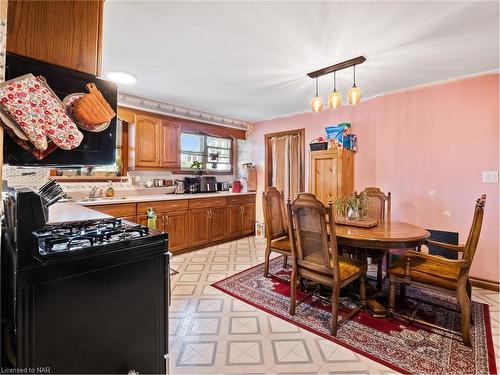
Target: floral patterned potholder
(32, 105)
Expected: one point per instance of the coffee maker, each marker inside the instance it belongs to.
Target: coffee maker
(192, 185)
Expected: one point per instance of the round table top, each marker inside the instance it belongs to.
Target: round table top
(390, 233)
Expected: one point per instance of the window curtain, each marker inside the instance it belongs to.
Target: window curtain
(287, 159)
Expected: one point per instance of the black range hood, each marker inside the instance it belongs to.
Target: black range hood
(96, 148)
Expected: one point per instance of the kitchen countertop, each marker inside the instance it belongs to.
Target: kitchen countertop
(71, 212)
(149, 198)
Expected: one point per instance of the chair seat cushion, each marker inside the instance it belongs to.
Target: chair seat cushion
(427, 272)
(347, 267)
(281, 245)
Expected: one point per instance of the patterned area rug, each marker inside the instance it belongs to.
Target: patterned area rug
(394, 343)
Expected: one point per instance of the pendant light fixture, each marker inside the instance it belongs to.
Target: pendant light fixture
(334, 99)
(354, 93)
(317, 101)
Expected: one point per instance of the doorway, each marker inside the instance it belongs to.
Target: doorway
(284, 162)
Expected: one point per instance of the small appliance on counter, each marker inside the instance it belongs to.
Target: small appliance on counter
(237, 186)
(208, 185)
(180, 187)
(222, 186)
(100, 286)
(192, 185)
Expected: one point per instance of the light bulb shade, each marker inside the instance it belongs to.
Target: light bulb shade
(334, 99)
(317, 104)
(354, 95)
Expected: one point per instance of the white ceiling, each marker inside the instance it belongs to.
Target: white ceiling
(248, 60)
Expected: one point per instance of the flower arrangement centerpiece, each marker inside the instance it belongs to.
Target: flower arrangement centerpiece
(352, 206)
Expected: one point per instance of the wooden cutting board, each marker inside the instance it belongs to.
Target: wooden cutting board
(368, 223)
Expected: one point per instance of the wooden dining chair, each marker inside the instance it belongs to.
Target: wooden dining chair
(379, 207)
(315, 255)
(273, 203)
(439, 273)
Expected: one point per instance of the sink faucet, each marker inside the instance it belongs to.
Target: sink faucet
(93, 192)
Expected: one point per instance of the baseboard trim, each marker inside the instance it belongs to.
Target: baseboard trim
(485, 284)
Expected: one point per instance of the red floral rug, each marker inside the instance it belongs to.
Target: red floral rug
(396, 344)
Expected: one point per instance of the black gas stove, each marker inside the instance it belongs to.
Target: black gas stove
(84, 297)
(72, 239)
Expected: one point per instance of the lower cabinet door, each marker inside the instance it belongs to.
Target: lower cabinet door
(248, 218)
(217, 223)
(199, 230)
(233, 225)
(177, 227)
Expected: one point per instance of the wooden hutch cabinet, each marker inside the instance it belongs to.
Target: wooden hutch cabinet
(331, 174)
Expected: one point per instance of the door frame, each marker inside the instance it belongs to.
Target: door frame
(268, 158)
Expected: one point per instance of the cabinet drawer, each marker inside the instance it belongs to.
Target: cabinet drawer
(241, 199)
(207, 202)
(163, 206)
(116, 210)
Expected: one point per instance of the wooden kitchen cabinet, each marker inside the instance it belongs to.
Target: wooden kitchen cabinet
(192, 223)
(207, 225)
(248, 218)
(199, 226)
(170, 138)
(331, 174)
(117, 210)
(143, 220)
(240, 215)
(63, 33)
(147, 141)
(157, 142)
(233, 228)
(176, 224)
(217, 223)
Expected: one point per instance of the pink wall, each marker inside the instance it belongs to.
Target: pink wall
(427, 146)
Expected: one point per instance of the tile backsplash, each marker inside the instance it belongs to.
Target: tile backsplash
(34, 177)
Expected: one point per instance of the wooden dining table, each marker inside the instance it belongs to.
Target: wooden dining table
(383, 236)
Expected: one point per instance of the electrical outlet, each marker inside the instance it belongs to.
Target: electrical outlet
(490, 177)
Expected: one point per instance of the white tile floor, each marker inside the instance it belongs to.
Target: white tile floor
(213, 333)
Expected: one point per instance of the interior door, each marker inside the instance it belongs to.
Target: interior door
(217, 223)
(147, 141)
(285, 161)
(199, 226)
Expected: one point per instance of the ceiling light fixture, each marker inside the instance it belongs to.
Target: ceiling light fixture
(317, 101)
(122, 77)
(334, 99)
(354, 93)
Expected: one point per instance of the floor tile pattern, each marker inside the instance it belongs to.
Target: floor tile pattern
(213, 333)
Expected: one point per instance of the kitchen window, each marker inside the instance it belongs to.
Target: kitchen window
(214, 153)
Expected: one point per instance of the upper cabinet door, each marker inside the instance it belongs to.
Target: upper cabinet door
(64, 33)
(147, 141)
(170, 136)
